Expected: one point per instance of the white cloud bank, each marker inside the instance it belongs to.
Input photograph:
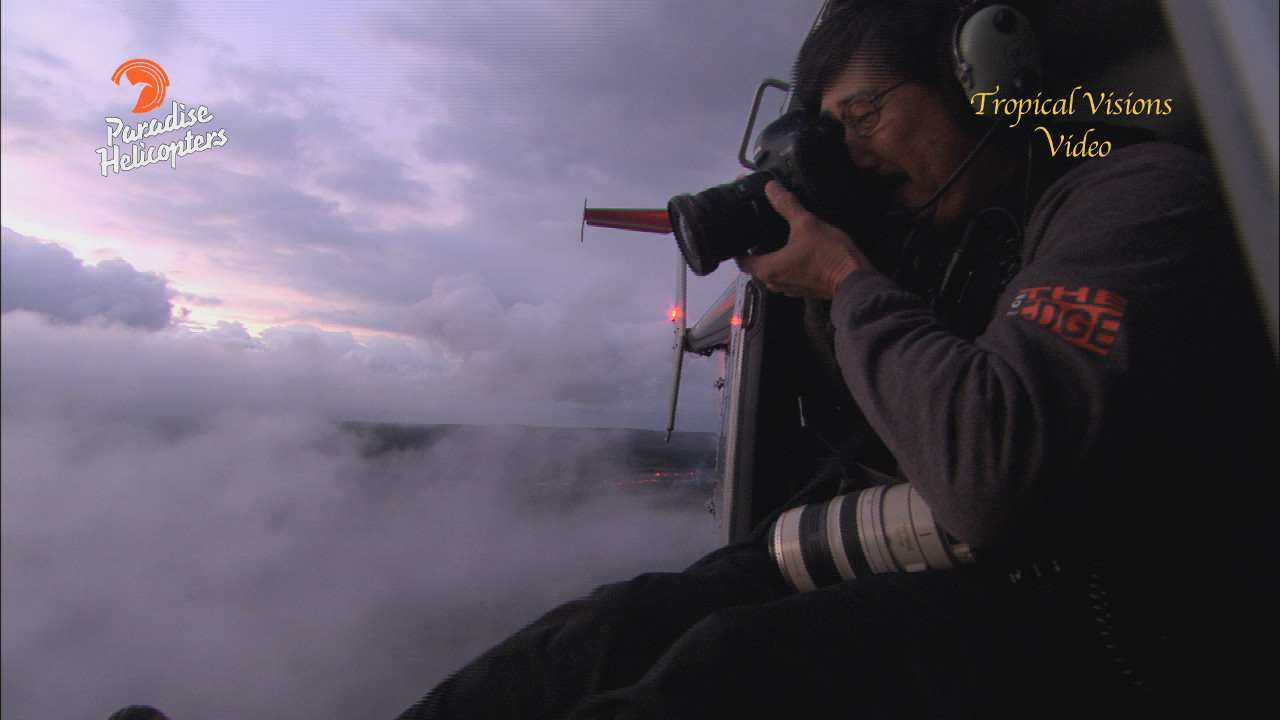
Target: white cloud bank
(459, 355)
(184, 526)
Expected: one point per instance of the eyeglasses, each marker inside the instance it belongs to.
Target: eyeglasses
(862, 113)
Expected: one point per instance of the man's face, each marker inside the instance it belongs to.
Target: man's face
(915, 144)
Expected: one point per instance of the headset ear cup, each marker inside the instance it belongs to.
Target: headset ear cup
(994, 50)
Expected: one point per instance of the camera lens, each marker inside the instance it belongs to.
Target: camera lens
(807, 153)
(726, 221)
(881, 529)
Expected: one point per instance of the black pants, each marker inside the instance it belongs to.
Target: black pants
(728, 638)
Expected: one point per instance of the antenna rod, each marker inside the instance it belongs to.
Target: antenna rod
(681, 342)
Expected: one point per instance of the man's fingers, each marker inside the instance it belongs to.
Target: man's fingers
(787, 205)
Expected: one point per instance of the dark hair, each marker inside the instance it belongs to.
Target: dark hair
(910, 38)
(137, 712)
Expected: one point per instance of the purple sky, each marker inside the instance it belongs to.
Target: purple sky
(389, 234)
(400, 181)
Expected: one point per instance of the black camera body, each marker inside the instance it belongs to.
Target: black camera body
(807, 153)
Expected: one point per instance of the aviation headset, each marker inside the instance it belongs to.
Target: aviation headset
(993, 45)
(993, 49)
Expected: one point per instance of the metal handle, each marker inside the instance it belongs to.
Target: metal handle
(747, 162)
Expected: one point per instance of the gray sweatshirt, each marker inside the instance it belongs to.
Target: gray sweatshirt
(1123, 396)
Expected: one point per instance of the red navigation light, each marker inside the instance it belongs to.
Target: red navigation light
(735, 321)
(673, 313)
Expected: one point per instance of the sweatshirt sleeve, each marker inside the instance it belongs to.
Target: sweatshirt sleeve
(1004, 435)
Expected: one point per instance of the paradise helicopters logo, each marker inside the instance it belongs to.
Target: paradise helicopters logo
(155, 82)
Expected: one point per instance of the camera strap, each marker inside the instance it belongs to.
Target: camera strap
(963, 276)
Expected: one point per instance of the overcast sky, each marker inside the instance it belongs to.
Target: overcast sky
(390, 232)
(387, 230)
(409, 175)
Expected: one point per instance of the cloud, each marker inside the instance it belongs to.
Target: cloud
(48, 279)
(372, 180)
(461, 354)
(261, 567)
(543, 349)
(426, 143)
(550, 367)
(183, 524)
(157, 24)
(640, 104)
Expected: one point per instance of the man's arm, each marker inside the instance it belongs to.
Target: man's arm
(1007, 434)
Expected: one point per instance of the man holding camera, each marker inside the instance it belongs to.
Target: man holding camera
(1065, 360)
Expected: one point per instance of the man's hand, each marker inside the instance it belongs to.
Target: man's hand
(816, 258)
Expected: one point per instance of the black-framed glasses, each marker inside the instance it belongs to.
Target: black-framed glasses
(862, 113)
